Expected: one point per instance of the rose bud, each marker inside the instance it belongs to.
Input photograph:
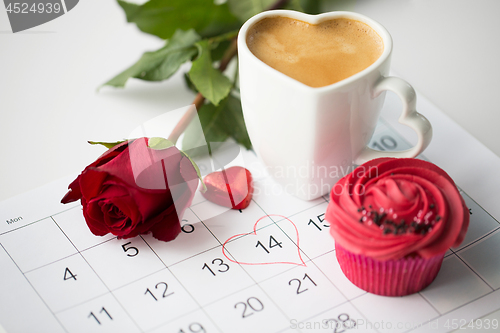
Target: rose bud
(133, 189)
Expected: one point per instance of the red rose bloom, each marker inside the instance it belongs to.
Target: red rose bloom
(388, 209)
(132, 189)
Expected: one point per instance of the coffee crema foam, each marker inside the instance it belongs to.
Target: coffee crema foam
(315, 54)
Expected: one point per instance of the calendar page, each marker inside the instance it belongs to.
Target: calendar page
(268, 268)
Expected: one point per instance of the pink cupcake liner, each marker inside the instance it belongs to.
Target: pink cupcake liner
(388, 278)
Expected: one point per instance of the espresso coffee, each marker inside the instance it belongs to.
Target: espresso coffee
(315, 54)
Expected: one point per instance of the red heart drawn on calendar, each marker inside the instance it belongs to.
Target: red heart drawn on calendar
(292, 258)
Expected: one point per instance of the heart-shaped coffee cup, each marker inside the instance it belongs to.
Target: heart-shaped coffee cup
(309, 137)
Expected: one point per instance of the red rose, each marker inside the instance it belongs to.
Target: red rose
(133, 189)
(389, 208)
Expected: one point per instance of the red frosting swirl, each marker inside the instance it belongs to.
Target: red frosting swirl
(391, 208)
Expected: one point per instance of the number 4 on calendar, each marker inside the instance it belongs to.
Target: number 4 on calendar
(68, 275)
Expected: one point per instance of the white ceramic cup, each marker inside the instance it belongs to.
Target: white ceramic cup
(309, 137)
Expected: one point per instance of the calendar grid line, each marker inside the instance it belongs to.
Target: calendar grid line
(340, 290)
(98, 244)
(81, 303)
(260, 287)
(180, 282)
(203, 222)
(290, 238)
(429, 303)
(207, 300)
(440, 314)
(84, 249)
(477, 240)
(348, 299)
(34, 289)
(75, 206)
(196, 204)
(91, 267)
(309, 259)
(23, 226)
(316, 257)
(453, 310)
(474, 271)
(36, 221)
(275, 222)
(299, 212)
(136, 280)
(259, 229)
(169, 321)
(251, 277)
(194, 255)
(484, 210)
(218, 300)
(449, 254)
(50, 263)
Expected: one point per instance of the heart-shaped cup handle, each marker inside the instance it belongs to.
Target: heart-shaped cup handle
(409, 117)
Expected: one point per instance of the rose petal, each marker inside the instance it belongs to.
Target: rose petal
(132, 190)
(167, 228)
(74, 192)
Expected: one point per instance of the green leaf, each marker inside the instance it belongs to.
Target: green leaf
(163, 63)
(200, 142)
(295, 5)
(210, 82)
(158, 143)
(108, 145)
(218, 124)
(219, 49)
(189, 84)
(234, 124)
(348, 5)
(198, 172)
(162, 17)
(311, 6)
(244, 9)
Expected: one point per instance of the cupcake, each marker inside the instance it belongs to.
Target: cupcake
(392, 221)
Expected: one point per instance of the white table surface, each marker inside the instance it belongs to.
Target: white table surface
(49, 106)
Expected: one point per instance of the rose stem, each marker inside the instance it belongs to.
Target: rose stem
(199, 99)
